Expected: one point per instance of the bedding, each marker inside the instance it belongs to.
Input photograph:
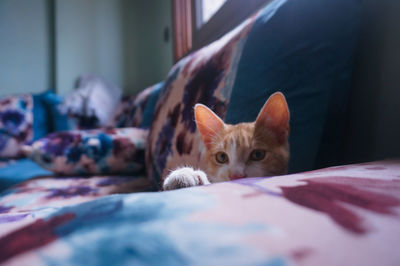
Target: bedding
(345, 215)
(92, 103)
(16, 124)
(13, 172)
(25, 118)
(136, 110)
(97, 151)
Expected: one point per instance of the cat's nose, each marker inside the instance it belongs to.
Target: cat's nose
(237, 176)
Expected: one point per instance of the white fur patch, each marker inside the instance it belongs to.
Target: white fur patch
(185, 177)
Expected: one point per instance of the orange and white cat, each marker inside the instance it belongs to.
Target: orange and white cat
(254, 149)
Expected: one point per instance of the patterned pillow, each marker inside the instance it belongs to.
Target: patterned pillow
(206, 77)
(16, 124)
(136, 111)
(98, 151)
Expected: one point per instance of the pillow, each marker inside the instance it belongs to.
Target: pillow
(84, 152)
(16, 124)
(206, 77)
(57, 121)
(92, 103)
(299, 47)
(136, 111)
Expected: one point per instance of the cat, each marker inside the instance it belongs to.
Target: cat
(232, 152)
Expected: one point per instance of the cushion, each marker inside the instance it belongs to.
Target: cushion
(57, 121)
(206, 77)
(296, 46)
(92, 103)
(28, 117)
(136, 111)
(300, 48)
(99, 151)
(16, 124)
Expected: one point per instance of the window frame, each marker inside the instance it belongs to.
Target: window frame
(225, 19)
(189, 32)
(182, 23)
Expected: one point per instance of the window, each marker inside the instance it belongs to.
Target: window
(208, 9)
(199, 22)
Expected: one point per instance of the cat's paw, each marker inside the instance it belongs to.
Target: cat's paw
(185, 177)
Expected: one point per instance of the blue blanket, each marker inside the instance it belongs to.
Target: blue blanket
(13, 172)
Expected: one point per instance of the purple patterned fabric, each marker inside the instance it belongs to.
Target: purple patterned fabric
(100, 151)
(206, 77)
(16, 119)
(345, 215)
(130, 111)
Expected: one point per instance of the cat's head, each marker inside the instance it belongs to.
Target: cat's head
(254, 149)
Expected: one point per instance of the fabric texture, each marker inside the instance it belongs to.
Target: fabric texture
(16, 124)
(13, 172)
(284, 220)
(136, 110)
(101, 151)
(206, 77)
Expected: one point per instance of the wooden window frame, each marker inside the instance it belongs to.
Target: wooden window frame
(190, 34)
(182, 16)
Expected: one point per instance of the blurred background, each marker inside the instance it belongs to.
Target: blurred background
(47, 44)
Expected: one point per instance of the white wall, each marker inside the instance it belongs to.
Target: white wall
(152, 56)
(88, 40)
(24, 46)
(120, 40)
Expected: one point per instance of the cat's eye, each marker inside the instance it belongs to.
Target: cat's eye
(257, 155)
(221, 157)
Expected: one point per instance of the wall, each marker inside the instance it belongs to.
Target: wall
(153, 56)
(120, 40)
(374, 117)
(24, 46)
(88, 40)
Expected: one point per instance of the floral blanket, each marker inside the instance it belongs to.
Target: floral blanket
(345, 215)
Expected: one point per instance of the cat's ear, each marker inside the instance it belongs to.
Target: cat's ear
(208, 123)
(274, 116)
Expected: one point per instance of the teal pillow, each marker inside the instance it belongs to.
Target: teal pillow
(58, 121)
(303, 48)
(150, 106)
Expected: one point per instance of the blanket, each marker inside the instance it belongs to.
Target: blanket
(345, 215)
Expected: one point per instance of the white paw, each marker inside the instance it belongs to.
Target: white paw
(185, 177)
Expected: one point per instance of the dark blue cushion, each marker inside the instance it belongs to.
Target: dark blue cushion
(59, 121)
(41, 117)
(47, 117)
(303, 48)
